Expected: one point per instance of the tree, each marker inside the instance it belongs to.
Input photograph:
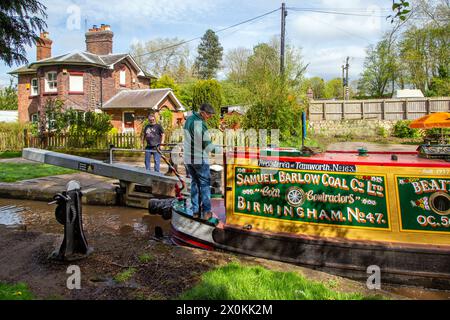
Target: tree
(209, 56)
(186, 94)
(236, 64)
(8, 97)
(163, 56)
(401, 9)
(334, 89)
(234, 94)
(440, 86)
(317, 84)
(21, 22)
(274, 101)
(424, 52)
(208, 91)
(167, 82)
(414, 54)
(380, 69)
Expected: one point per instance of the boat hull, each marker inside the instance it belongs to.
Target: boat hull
(418, 265)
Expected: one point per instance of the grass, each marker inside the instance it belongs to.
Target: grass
(146, 258)
(237, 282)
(12, 172)
(18, 291)
(10, 154)
(125, 275)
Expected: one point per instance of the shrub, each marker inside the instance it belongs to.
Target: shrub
(208, 91)
(382, 132)
(402, 130)
(11, 136)
(8, 97)
(233, 121)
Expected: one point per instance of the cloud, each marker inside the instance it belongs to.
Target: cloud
(131, 14)
(326, 40)
(313, 26)
(327, 62)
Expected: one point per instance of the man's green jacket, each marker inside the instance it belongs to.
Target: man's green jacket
(196, 140)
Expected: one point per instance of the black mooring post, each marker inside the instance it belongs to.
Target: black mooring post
(69, 213)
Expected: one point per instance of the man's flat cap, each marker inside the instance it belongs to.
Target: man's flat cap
(206, 107)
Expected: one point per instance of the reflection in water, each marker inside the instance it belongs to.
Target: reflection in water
(10, 215)
(40, 216)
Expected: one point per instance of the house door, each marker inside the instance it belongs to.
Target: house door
(128, 121)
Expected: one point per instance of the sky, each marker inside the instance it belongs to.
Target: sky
(325, 39)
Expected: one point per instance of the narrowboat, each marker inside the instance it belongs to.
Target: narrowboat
(340, 212)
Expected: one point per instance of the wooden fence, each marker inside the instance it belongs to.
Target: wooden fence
(98, 142)
(11, 142)
(389, 109)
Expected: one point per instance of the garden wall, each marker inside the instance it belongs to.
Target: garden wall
(355, 128)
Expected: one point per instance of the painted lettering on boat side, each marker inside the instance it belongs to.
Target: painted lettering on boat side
(350, 215)
(315, 179)
(324, 198)
(424, 204)
(306, 166)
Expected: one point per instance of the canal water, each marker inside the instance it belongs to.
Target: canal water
(39, 216)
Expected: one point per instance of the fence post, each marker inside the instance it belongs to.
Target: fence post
(25, 138)
(324, 111)
(406, 111)
(383, 110)
(428, 106)
(362, 110)
(343, 110)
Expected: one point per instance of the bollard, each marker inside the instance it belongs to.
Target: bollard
(69, 213)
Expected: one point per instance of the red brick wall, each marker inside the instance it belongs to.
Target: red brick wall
(43, 49)
(177, 117)
(99, 42)
(144, 83)
(116, 119)
(94, 79)
(27, 105)
(142, 114)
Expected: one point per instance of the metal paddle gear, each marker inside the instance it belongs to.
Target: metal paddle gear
(69, 213)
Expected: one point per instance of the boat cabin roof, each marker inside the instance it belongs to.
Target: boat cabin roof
(401, 159)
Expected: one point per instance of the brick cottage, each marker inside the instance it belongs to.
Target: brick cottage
(92, 80)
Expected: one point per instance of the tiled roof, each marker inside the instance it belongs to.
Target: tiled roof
(141, 99)
(113, 58)
(23, 70)
(78, 58)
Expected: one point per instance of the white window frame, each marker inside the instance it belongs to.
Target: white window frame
(49, 123)
(34, 118)
(123, 77)
(75, 78)
(54, 82)
(34, 89)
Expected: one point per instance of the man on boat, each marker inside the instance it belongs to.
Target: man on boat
(197, 144)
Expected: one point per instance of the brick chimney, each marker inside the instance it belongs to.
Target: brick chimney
(43, 47)
(100, 40)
